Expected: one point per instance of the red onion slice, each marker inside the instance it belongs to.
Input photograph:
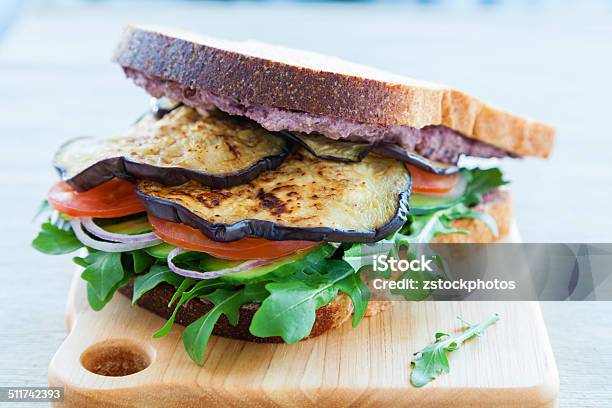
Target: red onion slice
(99, 232)
(245, 266)
(82, 236)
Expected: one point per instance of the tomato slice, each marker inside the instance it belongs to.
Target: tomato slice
(190, 238)
(115, 198)
(425, 182)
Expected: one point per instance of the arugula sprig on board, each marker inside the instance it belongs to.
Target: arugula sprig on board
(432, 361)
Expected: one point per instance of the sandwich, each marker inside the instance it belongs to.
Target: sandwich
(235, 205)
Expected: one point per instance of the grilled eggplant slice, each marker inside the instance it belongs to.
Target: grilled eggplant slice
(218, 151)
(303, 199)
(352, 152)
(398, 153)
(329, 149)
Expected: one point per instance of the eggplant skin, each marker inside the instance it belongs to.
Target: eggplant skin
(304, 199)
(398, 153)
(218, 151)
(325, 148)
(353, 152)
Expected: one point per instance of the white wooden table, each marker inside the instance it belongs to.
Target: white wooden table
(56, 82)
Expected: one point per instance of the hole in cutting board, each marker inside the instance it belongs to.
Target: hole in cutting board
(116, 358)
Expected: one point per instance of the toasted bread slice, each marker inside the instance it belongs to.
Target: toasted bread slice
(299, 81)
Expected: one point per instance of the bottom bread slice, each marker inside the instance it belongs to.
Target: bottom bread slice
(156, 300)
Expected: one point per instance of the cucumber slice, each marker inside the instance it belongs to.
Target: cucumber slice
(160, 251)
(423, 204)
(281, 267)
(210, 263)
(132, 225)
(261, 273)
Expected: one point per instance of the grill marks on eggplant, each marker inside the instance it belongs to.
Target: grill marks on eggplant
(217, 151)
(303, 199)
(353, 152)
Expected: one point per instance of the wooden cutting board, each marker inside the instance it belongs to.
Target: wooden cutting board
(511, 366)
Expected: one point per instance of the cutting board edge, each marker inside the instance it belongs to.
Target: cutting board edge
(174, 395)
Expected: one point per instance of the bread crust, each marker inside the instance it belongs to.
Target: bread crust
(156, 300)
(336, 89)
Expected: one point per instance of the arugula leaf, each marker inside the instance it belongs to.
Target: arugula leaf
(256, 292)
(424, 228)
(290, 310)
(199, 289)
(226, 302)
(103, 272)
(97, 303)
(360, 255)
(80, 261)
(359, 293)
(141, 261)
(479, 182)
(420, 229)
(299, 267)
(156, 275)
(94, 301)
(432, 360)
(183, 287)
(53, 240)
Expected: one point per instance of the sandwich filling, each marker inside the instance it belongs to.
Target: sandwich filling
(285, 240)
(304, 198)
(435, 142)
